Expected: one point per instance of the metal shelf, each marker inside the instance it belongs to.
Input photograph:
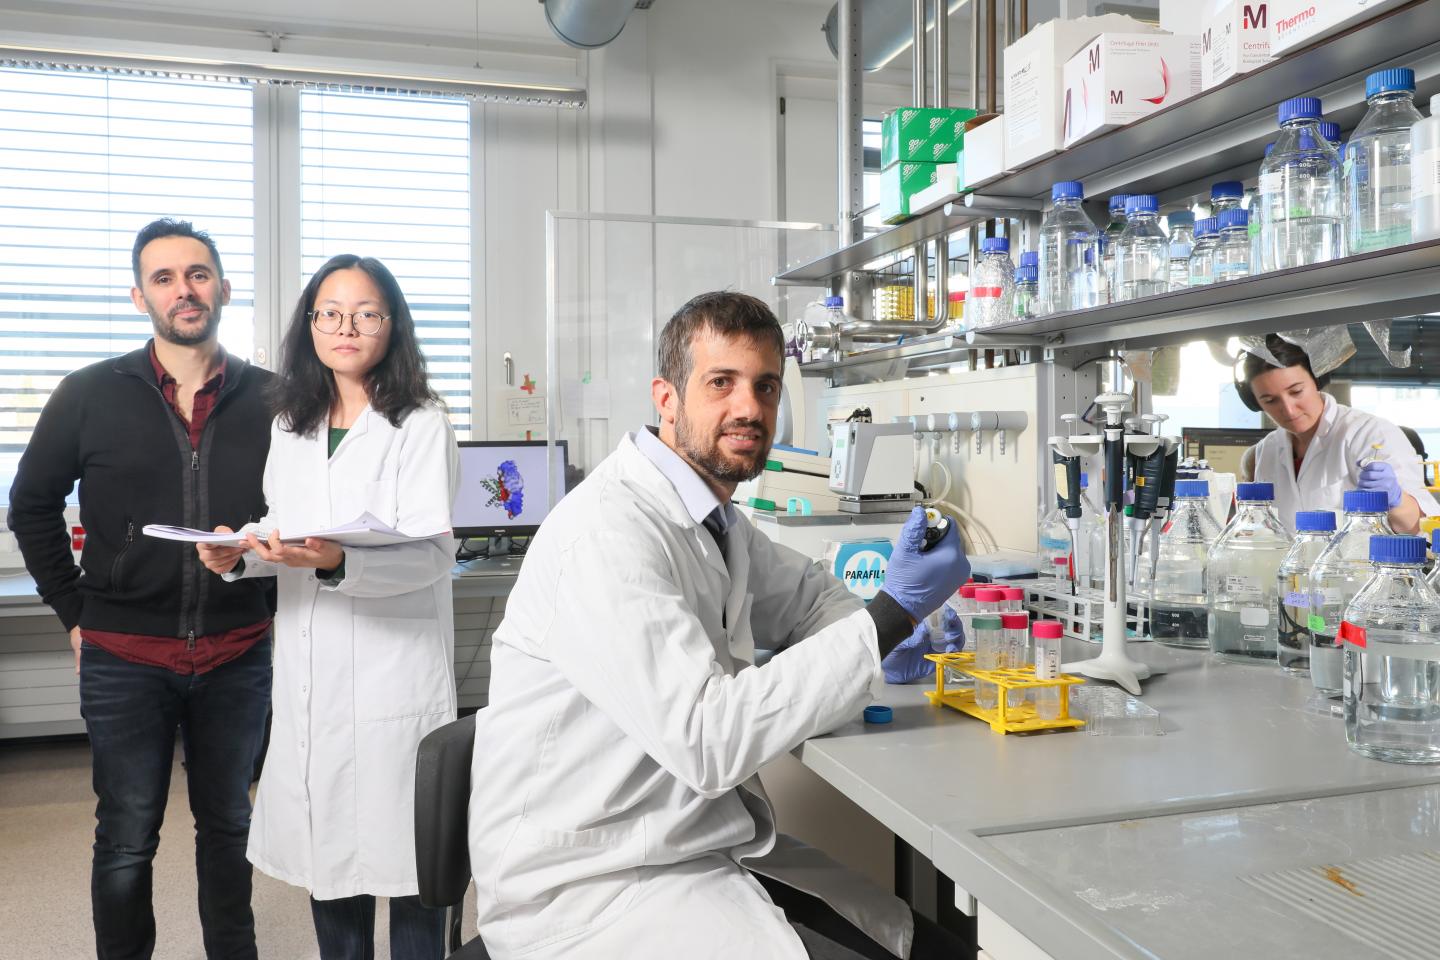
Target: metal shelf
(1224, 130)
(943, 219)
(1399, 282)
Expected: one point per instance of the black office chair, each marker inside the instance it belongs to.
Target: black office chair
(442, 843)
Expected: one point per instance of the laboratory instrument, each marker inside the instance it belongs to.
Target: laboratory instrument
(1425, 175)
(1202, 254)
(1313, 530)
(1392, 657)
(1240, 578)
(1339, 572)
(1069, 253)
(1107, 239)
(1152, 470)
(1182, 240)
(1178, 617)
(1047, 667)
(989, 641)
(1377, 163)
(1232, 251)
(1142, 252)
(872, 466)
(991, 301)
(1301, 188)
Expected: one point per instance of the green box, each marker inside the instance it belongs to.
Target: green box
(899, 182)
(923, 134)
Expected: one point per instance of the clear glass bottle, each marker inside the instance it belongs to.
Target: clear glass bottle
(1425, 175)
(1300, 209)
(988, 644)
(1339, 572)
(1182, 240)
(1142, 254)
(1047, 667)
(1027, 290)
(1111, 234)
(1313, 530)
(1177, 594)
(1392, 694)
(1435, 561)
(1232, 252)
(1069, 251)
(991, 301)
(1202, 255)
(1377, 163)
(1225, 195)
(1090, 550)
(1055, 546)
(1240, 577)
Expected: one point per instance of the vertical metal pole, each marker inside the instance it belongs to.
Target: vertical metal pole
(991, 101)
(975, 54)
(942, 99)
(851, 144)
(1009, 22)
(917, 49)
(1024, 19)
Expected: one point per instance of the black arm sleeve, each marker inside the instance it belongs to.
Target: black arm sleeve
(48, 470)
(892, 623)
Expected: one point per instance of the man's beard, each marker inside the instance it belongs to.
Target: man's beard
(710, 461)
(166, 329)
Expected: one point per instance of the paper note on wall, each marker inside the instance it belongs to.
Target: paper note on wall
(525, 411)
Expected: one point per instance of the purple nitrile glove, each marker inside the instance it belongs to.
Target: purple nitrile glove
(907, 663)
(1379, 475)
(918, 581)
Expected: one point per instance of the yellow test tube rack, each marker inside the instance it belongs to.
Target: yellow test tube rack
(1003, 718)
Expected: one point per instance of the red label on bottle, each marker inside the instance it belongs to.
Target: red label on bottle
(1351, 634)
(77, 538)
(986, 292)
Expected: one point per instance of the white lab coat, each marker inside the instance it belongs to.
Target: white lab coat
(614, 790)
(363, 669)
(1331, 464)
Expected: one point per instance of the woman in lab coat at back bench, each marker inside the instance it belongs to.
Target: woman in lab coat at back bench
(1320, 447)
(363, 636)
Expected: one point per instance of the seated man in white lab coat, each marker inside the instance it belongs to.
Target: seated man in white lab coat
(616, 810)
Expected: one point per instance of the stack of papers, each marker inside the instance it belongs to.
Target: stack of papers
(364, 531)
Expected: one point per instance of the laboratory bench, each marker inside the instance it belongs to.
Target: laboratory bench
(1082, 847)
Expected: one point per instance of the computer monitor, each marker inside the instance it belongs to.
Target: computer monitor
(1221, 447)
(506, 486)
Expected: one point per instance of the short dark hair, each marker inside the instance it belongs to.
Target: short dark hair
(304, 392)
(720, 311)
(1287, 353)
(166, 227)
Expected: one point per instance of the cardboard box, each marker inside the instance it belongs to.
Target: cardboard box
(984, 157)
(1295, 23)
(1035, 82)
(926, 134)
(899, 183)
(1235, 40)
(1120, 77)
(945, 188)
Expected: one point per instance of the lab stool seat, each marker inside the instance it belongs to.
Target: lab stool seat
(442, 843)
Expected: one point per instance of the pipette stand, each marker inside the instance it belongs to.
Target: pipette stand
(1113, 664)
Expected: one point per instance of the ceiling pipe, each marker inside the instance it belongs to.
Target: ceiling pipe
(889, 30)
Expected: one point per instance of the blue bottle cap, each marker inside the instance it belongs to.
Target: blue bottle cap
(1319, 521)
(995, 245)
(1227, 190)
(1397, 549)
(1144, 203)
(1434, 540)
(1300, 108)
(1255, 491)
(1029, 259)
(834, 301)
(1085, 482)
(1192, 488)
(1389, 81)
(1365, 501)
(878, 713)
(1029, 273)
(1117, 202)
(1181, 218)
(1067, 190)
(1330, 130)
(1234, 218)
(1205, 226)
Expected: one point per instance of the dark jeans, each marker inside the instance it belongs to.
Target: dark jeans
(346, 929)
(131, 712)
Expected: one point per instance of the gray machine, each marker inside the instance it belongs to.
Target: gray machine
(872, 467)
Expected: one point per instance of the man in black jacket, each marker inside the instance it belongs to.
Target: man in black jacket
(176, 433)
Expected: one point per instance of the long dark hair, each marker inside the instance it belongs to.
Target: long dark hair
(305, 392)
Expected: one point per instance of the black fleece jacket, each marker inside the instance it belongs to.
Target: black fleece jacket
(109, 427)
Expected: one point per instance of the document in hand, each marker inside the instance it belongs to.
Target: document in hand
(363, 531)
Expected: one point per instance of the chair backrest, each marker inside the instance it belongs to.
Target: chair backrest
(442, 801)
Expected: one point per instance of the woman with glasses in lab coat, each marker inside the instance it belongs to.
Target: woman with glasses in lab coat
(363, 636)
(1321, 447)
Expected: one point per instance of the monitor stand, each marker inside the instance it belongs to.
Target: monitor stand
(497, 547)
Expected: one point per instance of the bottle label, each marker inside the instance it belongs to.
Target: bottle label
(1047, 661)
(1239, 584)
(982, 293)
(1316, 624)
(1351, 634)
(1271, 183)
(1254, 617)
(1425, 174)
(1297, 599)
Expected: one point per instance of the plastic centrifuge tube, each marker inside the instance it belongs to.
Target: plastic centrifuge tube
(989, 600)
(1017, 649)
(967, 599)
(988, 642)
(1047, 667)
(1014, 600)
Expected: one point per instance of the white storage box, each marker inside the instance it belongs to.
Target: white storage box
(1295, 23)
(1035, 83)
(1120, 77)
(984, 156)
(1236, 40)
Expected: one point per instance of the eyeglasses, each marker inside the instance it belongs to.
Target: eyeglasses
(367, 323)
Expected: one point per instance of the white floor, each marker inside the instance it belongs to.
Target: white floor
(47, 824)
